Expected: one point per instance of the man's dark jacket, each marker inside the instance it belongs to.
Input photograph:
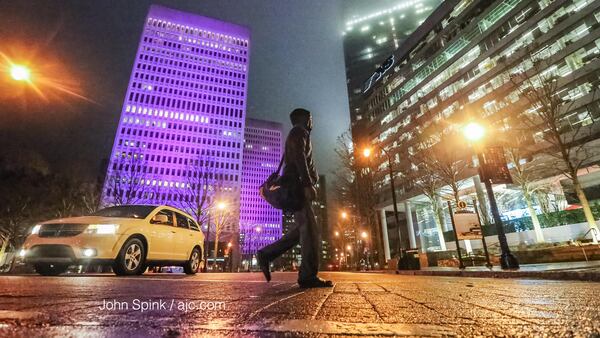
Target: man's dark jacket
(299, 166)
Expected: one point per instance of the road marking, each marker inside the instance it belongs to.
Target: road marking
(337, 328)
(273, 303)
(321, 303)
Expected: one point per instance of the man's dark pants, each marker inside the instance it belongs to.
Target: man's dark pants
(305, 232)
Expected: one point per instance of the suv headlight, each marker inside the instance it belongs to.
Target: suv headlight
(36, 229)
(102, 229)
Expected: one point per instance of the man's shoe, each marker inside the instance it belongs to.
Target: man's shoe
(316, 283)
(263, 263)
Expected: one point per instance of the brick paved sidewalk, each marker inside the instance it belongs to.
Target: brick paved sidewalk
(372, 304)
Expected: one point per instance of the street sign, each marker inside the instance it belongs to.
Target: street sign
(494, 168)
(461, 204)
(467, 225)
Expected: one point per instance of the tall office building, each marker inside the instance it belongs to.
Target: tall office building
(465, 62)
(181, 128)
(320, 209)
(373, 30)
(292, 258)
(260, 223)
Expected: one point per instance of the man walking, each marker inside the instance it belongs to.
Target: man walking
(299, 169)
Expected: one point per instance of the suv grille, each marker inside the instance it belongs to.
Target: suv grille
(51, 250)
(61, 230)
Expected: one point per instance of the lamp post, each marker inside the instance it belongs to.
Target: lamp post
(364, 237)
(475, 132)
(349, 248)
(367, 152)
(344, 216)
(207, 244)
(220, 206)
(229, 256)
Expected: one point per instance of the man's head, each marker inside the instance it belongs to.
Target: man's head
(302, 117)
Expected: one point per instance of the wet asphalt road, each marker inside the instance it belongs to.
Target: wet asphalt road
(372, 304)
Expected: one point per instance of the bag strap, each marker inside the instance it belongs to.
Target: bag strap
(280, 164)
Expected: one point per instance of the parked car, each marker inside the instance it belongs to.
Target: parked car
(130, 238)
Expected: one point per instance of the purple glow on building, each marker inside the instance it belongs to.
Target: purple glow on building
(260, 224)
(185, 107)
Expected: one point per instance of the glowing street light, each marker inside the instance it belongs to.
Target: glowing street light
(20, 73)
(349, 248)
(221, 206)
(367, 152)
(344, 215)
(337, 234)
(364, 234)
(474, 132)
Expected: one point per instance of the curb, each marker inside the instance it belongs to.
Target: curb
(556, 275)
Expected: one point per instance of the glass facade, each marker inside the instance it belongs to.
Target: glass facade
(260, 223)
(463, 69)
(373, 31)
(180, 134)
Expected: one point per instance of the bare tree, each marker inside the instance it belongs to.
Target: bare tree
(222, 215)
(446, 160)
(526, 168)
(24, 200)
(201, 182)
(549, 104)
(68, 196)
(13, 227)
(126, 179)
(90, 197)
(426, 180)
(354, 188)
(345, 188)
(441, 156)
(439, 161)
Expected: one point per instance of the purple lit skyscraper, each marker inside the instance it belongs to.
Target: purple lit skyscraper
(181, 130)
(260, 223)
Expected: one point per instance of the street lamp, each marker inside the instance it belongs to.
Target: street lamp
(367, 152)
(475, 133)
(20, 73)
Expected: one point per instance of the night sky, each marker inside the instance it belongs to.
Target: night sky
(89, 46)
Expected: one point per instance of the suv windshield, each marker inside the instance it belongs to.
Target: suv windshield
(126, 211)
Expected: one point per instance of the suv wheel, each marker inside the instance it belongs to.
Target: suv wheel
(45, 269)
(192, 265)
(131, 258)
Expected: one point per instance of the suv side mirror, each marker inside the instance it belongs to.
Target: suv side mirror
(160, 219)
